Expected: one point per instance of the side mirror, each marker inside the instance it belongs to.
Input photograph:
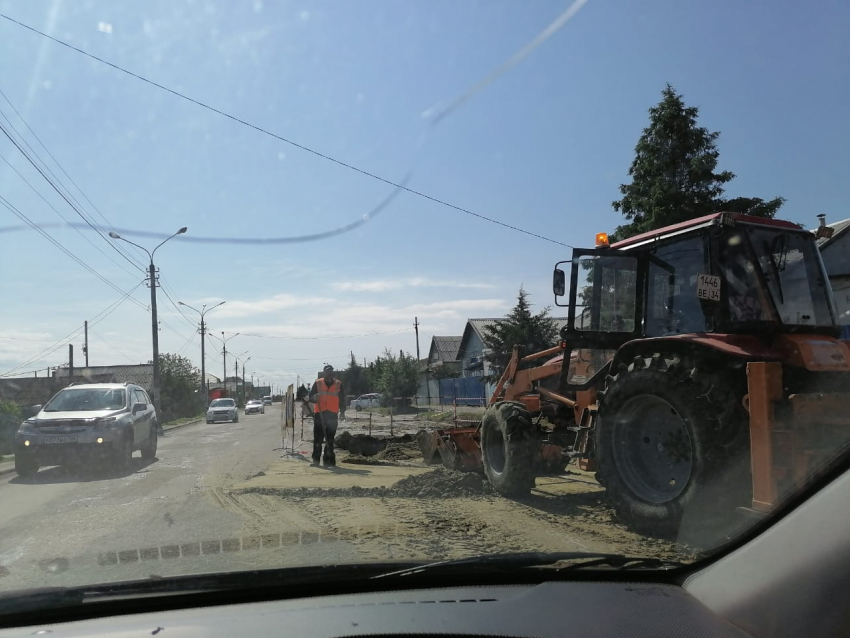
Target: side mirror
(140, 407)
(36, 408)
(559, 282)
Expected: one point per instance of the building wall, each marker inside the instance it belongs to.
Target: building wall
(475, 350)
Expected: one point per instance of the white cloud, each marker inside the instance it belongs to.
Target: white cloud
(104, 27)
(382, 285)
(276, 303)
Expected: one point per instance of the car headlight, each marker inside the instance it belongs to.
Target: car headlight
(27, 427)
(106, 423)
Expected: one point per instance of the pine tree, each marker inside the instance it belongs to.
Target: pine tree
(519, 327)
(674, 173)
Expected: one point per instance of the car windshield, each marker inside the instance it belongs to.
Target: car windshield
(418, 171)
(88, 400)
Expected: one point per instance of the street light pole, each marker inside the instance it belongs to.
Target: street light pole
(224, 354)
(203, 311)
(154, 323)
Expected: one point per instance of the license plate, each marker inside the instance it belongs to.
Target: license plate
(60, 439)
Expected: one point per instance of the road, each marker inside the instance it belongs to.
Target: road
(170, 516)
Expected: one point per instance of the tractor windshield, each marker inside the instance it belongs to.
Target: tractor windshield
(783, 281)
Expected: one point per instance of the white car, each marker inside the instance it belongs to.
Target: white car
(365, 401)
(223, 410)
(255, 406)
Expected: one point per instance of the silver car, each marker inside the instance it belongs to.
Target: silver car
(255, 406)
(223, 410)
(93, 420)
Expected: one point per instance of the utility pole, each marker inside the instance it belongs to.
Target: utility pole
(206, 397)
(416, 327)
(70, 363)
(155, 337)
(86, 346)
(157, 403)
(202, 312)
(236, 379)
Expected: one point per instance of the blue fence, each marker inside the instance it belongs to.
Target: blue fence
(466, 391)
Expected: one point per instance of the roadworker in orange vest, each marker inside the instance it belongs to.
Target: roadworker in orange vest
(329, 399)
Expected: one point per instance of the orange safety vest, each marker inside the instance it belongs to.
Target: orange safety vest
(328, 397)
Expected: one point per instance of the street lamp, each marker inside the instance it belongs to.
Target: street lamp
(154, 324)
(224, 353)
(244, 361)
(204, 310)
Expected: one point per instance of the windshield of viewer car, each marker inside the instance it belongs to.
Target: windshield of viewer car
(418, 170)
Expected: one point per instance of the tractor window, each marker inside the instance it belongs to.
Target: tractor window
(607, 288)
(747, 300)
(673, 306)
(796, 284)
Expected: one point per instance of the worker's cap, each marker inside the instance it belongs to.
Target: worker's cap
(329, 368)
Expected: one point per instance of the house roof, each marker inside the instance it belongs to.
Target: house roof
(479, 326)
(839, 228)
(445, 348)
(141, 374)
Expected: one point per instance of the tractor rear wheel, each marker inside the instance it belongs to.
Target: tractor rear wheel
(508, 447)
(672, 445)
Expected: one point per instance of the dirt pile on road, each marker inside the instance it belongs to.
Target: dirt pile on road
(438, 484)
(442, 483)
(386, 448)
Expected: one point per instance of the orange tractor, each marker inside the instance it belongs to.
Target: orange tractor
(699, 374)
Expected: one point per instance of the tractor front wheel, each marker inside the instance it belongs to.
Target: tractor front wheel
(508, 447)
(672, 446)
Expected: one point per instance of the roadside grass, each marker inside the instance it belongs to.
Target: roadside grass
(185, 419)
(4, 458)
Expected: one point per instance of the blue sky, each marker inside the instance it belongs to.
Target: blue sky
(544, 148)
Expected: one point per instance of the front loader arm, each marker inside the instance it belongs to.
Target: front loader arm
(514, 382)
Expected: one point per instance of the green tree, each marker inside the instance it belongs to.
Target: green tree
(356, 381)
(399, 375)
(179, 382)
(674, 173)
(522, 327)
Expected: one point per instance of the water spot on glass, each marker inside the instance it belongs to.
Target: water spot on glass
(104, 27)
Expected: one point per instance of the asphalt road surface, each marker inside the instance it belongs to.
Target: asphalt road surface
(73, 526)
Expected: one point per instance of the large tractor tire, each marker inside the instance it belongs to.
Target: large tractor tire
(672, 447)
(509, 448)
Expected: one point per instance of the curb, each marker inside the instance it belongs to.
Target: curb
(8, 470)
(167, 429)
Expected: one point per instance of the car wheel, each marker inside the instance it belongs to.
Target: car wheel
(236, 420)
(208, 421)
(25, 466)
(123, 453)
(149, 449)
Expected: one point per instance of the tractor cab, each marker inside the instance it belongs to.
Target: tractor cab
(724, 274)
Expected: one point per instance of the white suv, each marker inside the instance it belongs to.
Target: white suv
(101, 420)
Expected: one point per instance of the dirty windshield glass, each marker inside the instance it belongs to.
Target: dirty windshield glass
(303, 253)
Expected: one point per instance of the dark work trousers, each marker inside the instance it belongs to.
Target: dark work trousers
(324, 431)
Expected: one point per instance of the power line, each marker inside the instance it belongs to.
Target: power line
(44, 199)
(369, 334)
(93, 321)
(174, 303)
(399, 186)
(61, 168)
(110, 345)
(65, 197)
(47, 236)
